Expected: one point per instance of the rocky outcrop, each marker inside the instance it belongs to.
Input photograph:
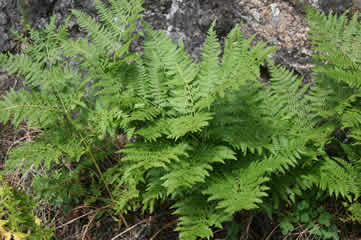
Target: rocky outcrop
(279, 22)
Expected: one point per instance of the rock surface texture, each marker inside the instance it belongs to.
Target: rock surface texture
(279, 22)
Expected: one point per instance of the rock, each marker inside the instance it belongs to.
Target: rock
(275, 15)
(3, 18)
(3, 3)
(356, 4)
(282, 25)
(338, 6)
(256, 15)
(190, 20)
(279, 22)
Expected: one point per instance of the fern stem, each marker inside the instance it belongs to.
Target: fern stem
(70, 120)
(104, 182)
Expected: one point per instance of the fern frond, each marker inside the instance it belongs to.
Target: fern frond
(241, 61)
(336, 38)
(38, 110)
(46, 151)
(242, 190)
(286, 153)
(337, 42)
(195, 169)
(127, 13)
(34, 153)
(338, 178)
(237, 123)
(197, 216)
(175, 128)
(288, 187)
(46, 44)
(178, 127)
(115, 36)
(146, 156)
(155, 191)
(101, 36)
(209, 72)
(171, 73)
(286, 98)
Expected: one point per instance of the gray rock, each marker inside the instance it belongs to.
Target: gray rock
(356, 4)
(190, 20)
(338, 6)
(276, 18)
(256, 15)
(3, 3)
(3, 18)
(276, 21)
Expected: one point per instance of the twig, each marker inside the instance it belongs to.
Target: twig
(164, 227)
(84, 215)
(87, 226)
(270, 234)
(132, 227)
(248, 227)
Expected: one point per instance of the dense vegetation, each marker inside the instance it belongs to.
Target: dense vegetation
(131, 130)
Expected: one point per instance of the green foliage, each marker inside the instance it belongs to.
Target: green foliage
(17, 219)
(209, 136)
(58, 71)
(307, 216)
(60, 189)
(335, 100)
(355, 211)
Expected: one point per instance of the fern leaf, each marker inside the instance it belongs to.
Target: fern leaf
(241, 191)
(38, 110)
(175, 128)
(146, 156)
(171, 73)
(155, 191)
(33, 153)
(209, 73)
(339, 178)
(197, 216)
(237, 123)
(46, 151)
(286, 98)
(196, 168)
(178, 127)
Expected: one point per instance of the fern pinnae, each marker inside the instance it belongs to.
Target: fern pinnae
(102, 37)
(177, 68)
(209, 66)
(197, 216)
(21, 105)
(195, 169)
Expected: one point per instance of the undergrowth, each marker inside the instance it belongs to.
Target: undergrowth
(132, 130)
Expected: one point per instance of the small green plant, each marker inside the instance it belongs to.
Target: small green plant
(17, 219)
(354, 211)
(309, 218)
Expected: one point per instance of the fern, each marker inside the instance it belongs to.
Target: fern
(17, 219)
(196, 168)
(207, 135)
(197, 217)
(335, 98)
(74, 121)
(242, 190)
(22, 105)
